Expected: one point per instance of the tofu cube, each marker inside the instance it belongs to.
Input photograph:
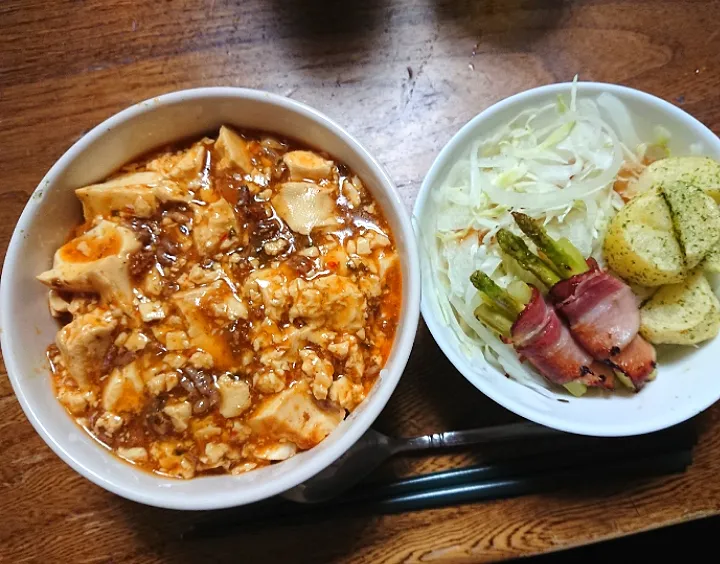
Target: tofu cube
(295, 415)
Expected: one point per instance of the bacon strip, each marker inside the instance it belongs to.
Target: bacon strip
(540, 336)
(637, 361)
(601, 310)
(603, 316)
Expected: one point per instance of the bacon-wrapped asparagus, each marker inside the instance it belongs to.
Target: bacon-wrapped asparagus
(537, 333)
(600, 309)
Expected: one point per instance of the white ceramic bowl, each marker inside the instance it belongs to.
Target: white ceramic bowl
(27, 327)
(687, 381)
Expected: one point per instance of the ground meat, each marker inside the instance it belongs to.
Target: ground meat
(302, 265)
(157, 246)
(116, 357)
(238, 336)
(202, 384)
(141, 262)
(188, 385)
(125, 357)
(109, 360)
(167, 251)
(241, 269)
(156, 420)
(250, 210)
(154, 348)
(266, 229)
(204, 404)
(144, 229)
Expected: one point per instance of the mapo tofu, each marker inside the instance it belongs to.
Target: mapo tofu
(223, 306)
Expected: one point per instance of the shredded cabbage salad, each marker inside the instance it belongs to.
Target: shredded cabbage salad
(556, 163)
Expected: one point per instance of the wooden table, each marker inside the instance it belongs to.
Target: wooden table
(402, 75)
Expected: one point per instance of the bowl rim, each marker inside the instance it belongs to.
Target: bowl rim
(383, 389)
(436, 326)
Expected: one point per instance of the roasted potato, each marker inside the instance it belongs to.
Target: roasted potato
(703, 172)
(696, 219)
(640, 245)
(681, 314)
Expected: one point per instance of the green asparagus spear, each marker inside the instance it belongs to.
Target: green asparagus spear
(495, 318)
(515, 247)
(496, 294)
(499, 309)
(566, 259)
(576, 388)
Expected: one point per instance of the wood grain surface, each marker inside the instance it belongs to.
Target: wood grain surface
(403, 76)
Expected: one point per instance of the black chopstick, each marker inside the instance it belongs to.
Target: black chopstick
(601, 454)
(459, 486)
(655, 465)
